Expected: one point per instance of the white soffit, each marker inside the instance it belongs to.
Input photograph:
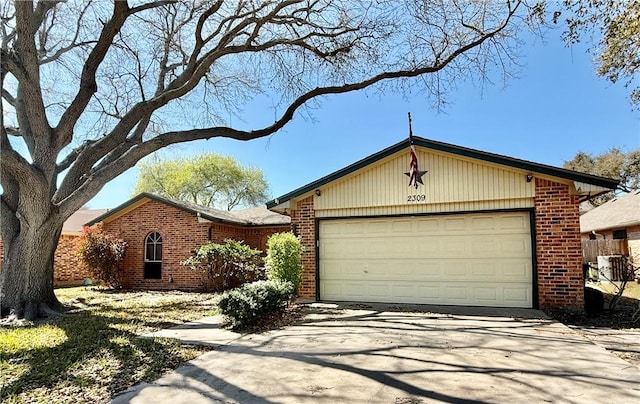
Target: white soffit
(586, 189)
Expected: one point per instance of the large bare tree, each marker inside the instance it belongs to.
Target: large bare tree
(91, 87)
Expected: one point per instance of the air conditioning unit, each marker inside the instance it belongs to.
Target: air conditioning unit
(605, 267)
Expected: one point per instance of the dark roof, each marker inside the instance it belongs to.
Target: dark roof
(257, 217)
(450, 148)
(621, 211)
(261, 215)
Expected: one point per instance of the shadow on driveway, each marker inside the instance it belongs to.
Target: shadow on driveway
(397, 354)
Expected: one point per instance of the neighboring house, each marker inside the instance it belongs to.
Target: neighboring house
(619, 219)
(482, 230)
(68, 268)
(161, 232)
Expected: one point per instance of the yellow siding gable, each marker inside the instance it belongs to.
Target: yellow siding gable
(453, 183)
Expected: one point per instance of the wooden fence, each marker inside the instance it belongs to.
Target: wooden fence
(592, 248)
(618, 268)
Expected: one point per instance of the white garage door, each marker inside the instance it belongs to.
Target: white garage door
(470, 260)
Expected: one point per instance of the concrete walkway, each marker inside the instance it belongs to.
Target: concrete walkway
(385, 354)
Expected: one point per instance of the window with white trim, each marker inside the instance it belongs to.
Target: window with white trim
(153, 256)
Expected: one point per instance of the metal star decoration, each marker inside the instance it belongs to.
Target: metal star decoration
(417, 179)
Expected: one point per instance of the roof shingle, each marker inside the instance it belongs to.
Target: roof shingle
(622, 211)
(75, 222)
(247, 217)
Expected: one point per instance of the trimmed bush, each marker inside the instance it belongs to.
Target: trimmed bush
(225, 266)
(284, 258)
(251, 302)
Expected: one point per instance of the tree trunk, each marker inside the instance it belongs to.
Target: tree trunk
(26, 279)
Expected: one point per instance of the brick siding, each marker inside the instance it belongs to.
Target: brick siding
(181, 233)
(558, 246)
(304, 217)
(68, 267)
(633, 240)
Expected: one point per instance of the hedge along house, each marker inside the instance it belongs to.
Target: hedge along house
(477, 229)
(161, 232)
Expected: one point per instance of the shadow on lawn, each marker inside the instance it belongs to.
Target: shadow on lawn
(101, 356)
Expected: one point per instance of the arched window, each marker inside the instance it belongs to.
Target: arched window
(153, 256)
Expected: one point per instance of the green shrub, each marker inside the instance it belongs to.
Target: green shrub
(103, 254)
(245, 305)
(284, 258)
(225, 266)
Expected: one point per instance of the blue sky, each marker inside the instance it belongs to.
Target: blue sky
(557, 107)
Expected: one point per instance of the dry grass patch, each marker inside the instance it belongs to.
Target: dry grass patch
(94, 351)
(631, 291)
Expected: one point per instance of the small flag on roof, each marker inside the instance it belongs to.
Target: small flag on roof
(414, 174)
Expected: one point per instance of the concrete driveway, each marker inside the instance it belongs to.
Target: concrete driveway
(386, 354)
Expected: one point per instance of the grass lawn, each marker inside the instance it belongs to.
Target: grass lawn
(93, 352)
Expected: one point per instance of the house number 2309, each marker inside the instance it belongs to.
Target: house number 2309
(416, 198)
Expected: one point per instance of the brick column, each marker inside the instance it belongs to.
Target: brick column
(304, 218)
(558, 246)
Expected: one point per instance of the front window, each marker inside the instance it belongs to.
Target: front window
(153, 256)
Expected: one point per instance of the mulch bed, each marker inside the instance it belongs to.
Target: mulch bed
(616, 319)
(276, 320)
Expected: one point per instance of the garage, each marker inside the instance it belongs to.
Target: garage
(469, 259)
(427, 222)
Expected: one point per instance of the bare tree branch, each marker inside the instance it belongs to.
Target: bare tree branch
(88, 85)
(61, 51)
(14, 164)
(150, 5)
(40, 12)
(12, 131)
(32, 118)
(118, 146)
(10, 64)
(8, 97)
(72, 156)
(137, 151)
(73, 43)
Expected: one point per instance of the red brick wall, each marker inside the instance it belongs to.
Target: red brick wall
(68, 268)
(304, 217)
(633, 239)
(256, 237)
(558, 247)
(181, 233)
(221, 232)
